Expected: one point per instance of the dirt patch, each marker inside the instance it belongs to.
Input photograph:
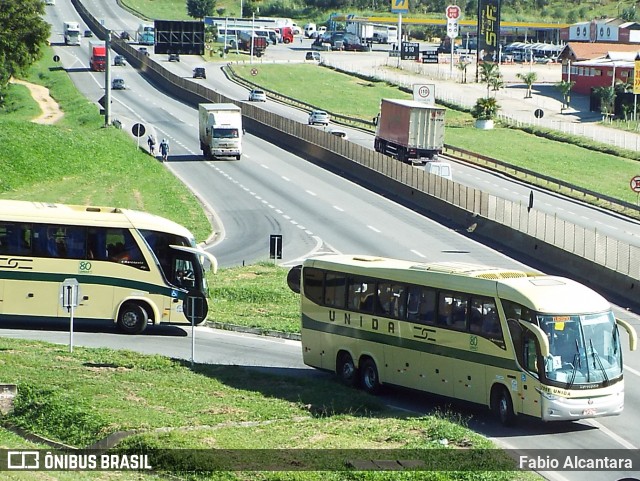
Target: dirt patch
(51, 112)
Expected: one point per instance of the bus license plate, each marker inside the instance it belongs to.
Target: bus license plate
(589, 412)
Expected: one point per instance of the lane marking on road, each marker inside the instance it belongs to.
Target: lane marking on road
(623, 442)
(338, 208)
(311, 193)
(419, 254)
(373, 229)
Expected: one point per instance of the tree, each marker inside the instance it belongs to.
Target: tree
(201, 8)
(528, 79)
(565, 89)
(485, 108)
(607, 96)
(462, 66)
(24, 34)
(489, 71)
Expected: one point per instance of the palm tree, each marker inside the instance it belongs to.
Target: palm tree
(485, 108)
(565, 89)
(607, 96)
(488, 72)
(496, 83)
(462, 66)
(528, 79)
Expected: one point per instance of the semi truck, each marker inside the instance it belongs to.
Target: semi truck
(259, 42)
(220, 130)
(97, 55)
(409, 131)
(363, 30)
(146, 34)
(71, 33)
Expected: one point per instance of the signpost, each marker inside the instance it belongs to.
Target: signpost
(635, 186)
(69, 294)
(453, 13)
(275, 246)
(425, 93)
(636, 85)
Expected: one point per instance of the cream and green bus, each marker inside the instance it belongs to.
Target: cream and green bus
(132, 267)
(520, 343)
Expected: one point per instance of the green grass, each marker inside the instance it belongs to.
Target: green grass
(254, 296)
(600, 172)
(82, 397)
(79, 161)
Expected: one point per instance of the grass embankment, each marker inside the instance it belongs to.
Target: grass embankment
(77, 161)
(80, 398)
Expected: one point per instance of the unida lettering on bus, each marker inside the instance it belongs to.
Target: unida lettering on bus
(365, 322)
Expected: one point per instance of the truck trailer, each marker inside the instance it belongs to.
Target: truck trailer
(363, 30)
(410, 131)
(71, 33)
(97, 55)
(220, 130)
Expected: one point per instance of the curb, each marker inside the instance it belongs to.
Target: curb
(258, 331)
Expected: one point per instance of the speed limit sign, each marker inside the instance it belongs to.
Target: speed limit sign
(635, 183)
(425, 93)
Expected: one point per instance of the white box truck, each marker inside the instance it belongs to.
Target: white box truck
(364, 31)
(220, 130)
(409, 131)
(72, 33)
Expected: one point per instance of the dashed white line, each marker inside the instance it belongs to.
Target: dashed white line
(419, 254)
(373, 229)
(286, 178)
(338, 208)
(311, 193)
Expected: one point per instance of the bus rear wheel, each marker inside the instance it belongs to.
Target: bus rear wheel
(132, 318)
(503, 407)
(346, 369)
(369, 376)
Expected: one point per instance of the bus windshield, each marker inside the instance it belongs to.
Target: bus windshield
(584, 349)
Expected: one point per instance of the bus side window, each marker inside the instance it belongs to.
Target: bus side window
(421, 305)
(335, 290)
(313, 284)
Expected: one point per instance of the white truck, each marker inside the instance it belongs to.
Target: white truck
(71, 33)
(220, 130)
(364, 31)
(409, 131)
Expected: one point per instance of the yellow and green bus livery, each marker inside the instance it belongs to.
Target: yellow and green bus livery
(517, 342)
(132, 267)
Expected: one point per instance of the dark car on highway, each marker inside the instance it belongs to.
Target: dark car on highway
(199, 72)
(118, 60)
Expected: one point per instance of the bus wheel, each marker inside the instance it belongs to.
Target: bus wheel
(369, 376)
(346, 369)
(503, 407)
(132, 318)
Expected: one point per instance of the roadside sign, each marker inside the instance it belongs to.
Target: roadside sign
(539, 113)
(635, 184)
(69, 293)
(453, 14)
(410, 51)
(56, 58)
(636, 76)
(429, 56)
(399, 6)
(138, 130)
(425, 93)
(254, 71)
(275, 246)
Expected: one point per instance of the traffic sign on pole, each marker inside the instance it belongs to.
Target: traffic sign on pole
(453, 14)
(635, 183)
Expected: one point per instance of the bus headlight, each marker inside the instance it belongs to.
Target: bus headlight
(548, 396)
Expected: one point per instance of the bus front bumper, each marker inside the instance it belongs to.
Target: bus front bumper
(558, 408)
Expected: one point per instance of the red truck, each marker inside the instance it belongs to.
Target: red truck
(286, 34)
(409, 131)
(259, 43)
(97, 55)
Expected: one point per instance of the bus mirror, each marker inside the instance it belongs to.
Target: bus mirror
(293, 279)
(200, 253)
(542, 338)
(633, 336)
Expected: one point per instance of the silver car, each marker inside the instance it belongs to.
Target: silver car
(257, 96)
(118, 84)
(318, 117)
